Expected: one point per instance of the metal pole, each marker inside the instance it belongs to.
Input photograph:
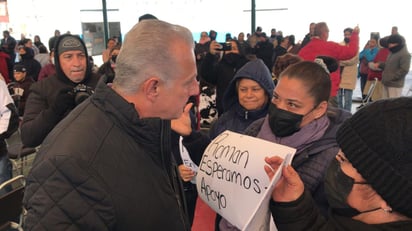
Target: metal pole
(253, 20)
(105, 23)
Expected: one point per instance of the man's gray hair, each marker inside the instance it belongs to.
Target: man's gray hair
(147, 51)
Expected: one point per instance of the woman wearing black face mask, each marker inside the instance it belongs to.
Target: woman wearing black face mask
(299, 117)
(108, 67)
(368, 184)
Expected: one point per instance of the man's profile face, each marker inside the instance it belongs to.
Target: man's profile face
(173, 97)
(74, 65)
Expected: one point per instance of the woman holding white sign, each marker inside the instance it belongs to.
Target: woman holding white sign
(368, 183)
(299, 117)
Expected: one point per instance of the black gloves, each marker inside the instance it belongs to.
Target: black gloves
(64, 102)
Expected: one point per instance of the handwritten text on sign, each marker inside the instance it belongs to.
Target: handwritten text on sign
(231, 178)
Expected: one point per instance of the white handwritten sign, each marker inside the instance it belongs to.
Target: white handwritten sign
(232, 181)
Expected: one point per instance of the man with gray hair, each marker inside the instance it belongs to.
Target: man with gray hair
(108, 164)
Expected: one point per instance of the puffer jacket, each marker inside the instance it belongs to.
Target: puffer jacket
(104, 168)
(312, 162)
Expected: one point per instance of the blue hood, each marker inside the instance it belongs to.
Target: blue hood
(255, 70)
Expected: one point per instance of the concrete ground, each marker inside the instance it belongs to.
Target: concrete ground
(357, 95)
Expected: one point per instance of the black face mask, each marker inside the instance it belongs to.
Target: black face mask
(346, 40)
(114, 57)
(283, 123)
(338, 185)
(231, 58)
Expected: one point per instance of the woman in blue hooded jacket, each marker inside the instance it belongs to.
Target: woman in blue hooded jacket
(246, 99)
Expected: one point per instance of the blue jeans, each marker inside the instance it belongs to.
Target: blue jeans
(345, 99)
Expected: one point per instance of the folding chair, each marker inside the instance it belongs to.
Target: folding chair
(409, 92)
(21, 153)
(368, 97)
(18, 152)
(11, 203)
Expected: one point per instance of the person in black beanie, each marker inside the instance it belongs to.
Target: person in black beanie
(51, 99)
(368, 185)
(396, 67)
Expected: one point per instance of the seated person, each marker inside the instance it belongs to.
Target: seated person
(19, 89)
(369, 182)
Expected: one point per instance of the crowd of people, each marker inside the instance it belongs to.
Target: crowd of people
(120, 143)
(354, 63)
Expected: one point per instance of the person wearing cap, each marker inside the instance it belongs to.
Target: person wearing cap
(20, 88)
(396, 67)
(51, 99)
(368, 184)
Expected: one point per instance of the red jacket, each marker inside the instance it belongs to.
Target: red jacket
(379, 58)
(318, 47)
(4, 69)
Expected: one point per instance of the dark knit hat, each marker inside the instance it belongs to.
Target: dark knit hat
(19, 68)
(377, 140)
(70, 43)
(395, 38)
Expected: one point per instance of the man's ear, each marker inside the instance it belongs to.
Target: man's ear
(151, 88)
(321, 109)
